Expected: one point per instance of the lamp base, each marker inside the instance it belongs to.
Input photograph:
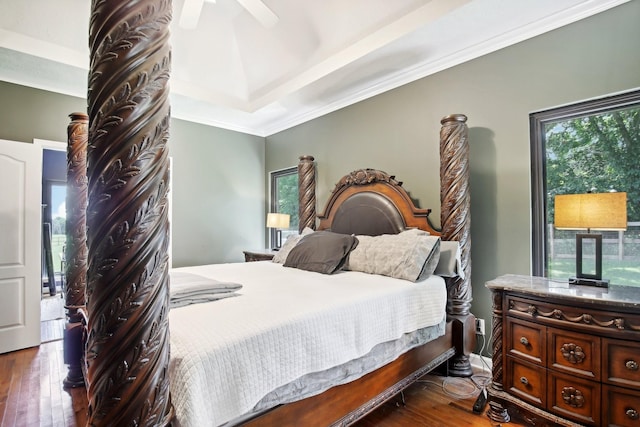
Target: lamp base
(600, 283)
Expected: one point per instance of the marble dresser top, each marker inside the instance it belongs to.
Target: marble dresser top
(614, 295)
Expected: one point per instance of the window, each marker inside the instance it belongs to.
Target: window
(591, 146)
(284, 199)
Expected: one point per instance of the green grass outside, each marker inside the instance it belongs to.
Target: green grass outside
(57, 244)
(619, 272)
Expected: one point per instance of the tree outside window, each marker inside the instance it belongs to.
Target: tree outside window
(587, 147)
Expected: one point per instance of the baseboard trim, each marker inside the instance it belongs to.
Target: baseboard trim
(480, 362)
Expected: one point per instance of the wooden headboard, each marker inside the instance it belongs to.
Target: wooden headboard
(372, 202)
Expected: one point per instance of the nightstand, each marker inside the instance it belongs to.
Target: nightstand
(564, 354)
(259, 255)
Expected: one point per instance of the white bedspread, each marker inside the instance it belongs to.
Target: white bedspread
(226, 355)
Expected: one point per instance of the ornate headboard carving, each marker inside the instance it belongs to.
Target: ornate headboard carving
(372, 202)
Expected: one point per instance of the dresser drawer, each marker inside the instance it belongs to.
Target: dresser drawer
(526, 340)
(621, 362)
(574, 353)
(574, 398)
(622, 407)
(526, 381)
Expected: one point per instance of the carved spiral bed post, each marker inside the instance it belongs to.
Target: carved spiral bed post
(455, 203)
(497, 413)
(306, 193)
(76, 246)
(127, 351)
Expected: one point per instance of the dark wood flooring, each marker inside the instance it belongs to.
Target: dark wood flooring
(31, 394)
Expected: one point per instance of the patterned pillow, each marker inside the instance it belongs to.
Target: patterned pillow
(410, 255)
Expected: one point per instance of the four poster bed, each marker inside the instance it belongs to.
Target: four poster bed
(303, 348)
(125, 312)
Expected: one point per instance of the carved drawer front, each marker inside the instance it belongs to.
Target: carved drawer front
(526, 340)
(577, 317)
(526, 381)
(574, 353)
(622, 363)
(574, 398)
(622, 407)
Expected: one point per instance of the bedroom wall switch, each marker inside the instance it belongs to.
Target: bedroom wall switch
(480, 326)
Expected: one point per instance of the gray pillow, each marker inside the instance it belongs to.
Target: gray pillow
(323, 252)
(409, 255)
(281, 256)
(449, 264)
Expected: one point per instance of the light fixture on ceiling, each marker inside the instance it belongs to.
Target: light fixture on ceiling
(191, 10)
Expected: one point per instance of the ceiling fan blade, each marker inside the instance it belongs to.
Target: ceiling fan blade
(190, 15)
(261, 12)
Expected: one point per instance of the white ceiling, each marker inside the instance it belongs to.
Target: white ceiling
(317, 56)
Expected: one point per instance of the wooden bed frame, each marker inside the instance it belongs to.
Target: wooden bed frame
(126, 355)
(367, 202)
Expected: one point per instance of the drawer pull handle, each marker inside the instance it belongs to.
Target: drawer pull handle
(573, 397)
(572, 353)
(631, 365)
(632, 413)
(524, 380)
(524, 341)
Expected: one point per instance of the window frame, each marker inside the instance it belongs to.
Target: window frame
(537, 123)
(273, 202)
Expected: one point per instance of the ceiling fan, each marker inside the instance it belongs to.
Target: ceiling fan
(191, 10)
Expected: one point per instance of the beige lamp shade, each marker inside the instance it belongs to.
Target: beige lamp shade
(278, 220)
(595, 211)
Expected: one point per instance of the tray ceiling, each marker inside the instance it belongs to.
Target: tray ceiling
(262, 66)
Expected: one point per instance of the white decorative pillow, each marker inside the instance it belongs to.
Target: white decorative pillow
(410, 255)
(281, 256)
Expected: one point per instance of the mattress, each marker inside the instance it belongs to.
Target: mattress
(227, 356)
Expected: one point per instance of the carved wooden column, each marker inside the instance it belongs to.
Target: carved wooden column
(497, 413)
(306, 193)
(76, 246)
(455, 203)
(127, 351)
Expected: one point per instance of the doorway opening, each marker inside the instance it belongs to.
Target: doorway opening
(54, 175)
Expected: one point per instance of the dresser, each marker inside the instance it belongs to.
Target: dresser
(564, 354)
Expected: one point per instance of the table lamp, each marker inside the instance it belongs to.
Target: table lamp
(590, 211)
(278, 221)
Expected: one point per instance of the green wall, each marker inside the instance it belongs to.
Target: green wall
(27, 113)
(218, 194)
(217, 177)
(398, 131)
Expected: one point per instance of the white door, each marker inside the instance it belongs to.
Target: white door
(20, 240)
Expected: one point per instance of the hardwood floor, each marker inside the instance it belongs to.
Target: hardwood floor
(31, 394)
(433, 401)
